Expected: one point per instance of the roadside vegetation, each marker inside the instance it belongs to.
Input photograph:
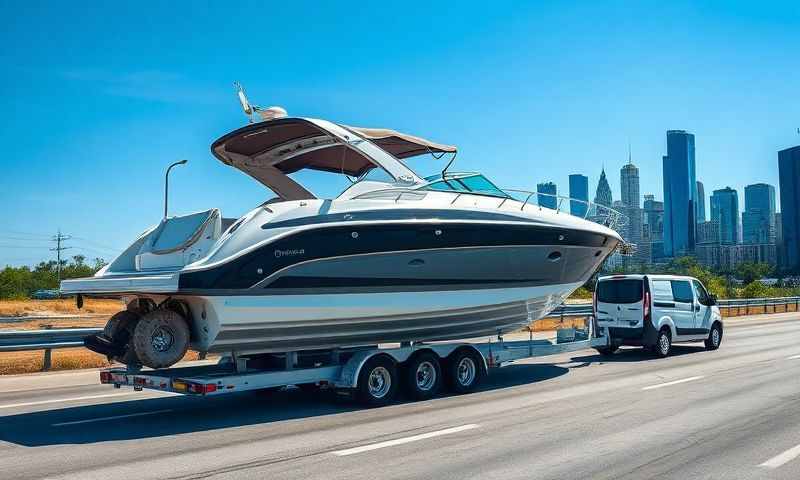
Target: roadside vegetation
(21, 282)
(743, 282)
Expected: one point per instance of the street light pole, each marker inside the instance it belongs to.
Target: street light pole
(166, 184)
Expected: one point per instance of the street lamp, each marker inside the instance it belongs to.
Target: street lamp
(166, 183)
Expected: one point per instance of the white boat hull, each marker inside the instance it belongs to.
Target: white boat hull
(279, 323)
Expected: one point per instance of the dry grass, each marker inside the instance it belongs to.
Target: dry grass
(65, 359)
(21, 308)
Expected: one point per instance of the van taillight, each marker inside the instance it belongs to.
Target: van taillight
(646, 306)
(594, 301)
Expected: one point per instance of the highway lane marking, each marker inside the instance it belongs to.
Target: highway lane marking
(115, 417)
(783, 458)
(401, 441)
(793, 357)
(674, 382)
(59, 400)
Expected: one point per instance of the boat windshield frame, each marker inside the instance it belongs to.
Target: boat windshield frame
(457, 183)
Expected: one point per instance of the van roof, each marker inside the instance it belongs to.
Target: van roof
(640, 276)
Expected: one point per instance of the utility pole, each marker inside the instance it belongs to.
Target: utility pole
(59, 239)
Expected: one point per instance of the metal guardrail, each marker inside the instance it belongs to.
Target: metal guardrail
(26, 340)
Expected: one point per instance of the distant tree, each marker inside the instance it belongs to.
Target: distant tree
(749, 272)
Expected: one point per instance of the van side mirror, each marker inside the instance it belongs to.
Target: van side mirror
(712, 300)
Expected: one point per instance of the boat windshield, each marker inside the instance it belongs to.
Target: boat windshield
(464, 183)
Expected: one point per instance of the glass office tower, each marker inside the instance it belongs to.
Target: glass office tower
(578, 189)
(789, 174)
(725, 211)
(680, 194)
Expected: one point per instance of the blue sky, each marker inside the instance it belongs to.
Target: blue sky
(97, 100)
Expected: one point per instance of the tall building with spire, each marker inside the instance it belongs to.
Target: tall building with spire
(629, 186)
(603, 194)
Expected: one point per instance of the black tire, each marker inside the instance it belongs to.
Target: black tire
(377, 382)
(714, 337)
(605, 351)
(663, 343)
(161, 338)
(423, 376)
(119, 330)
(464, 371)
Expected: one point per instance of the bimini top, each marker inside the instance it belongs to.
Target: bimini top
(270, 151)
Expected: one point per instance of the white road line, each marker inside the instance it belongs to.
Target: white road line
(59, 400)
(401, 441)
(793, 357)
(675, 382)
(115, 417)
(783, 458)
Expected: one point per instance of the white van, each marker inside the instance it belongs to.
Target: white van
(655, 311)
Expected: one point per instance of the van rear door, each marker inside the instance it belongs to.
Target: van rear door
(620, 302)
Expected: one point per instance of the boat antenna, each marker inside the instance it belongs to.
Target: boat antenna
(166, 184)
(248, 109)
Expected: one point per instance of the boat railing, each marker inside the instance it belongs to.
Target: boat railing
(595, 212)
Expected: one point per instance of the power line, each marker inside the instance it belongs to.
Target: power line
(59, 238)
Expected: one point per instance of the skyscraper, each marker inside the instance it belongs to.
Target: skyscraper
(789, 174)
(654, 226)
(701, 203)
(629, 186)
(725, 211)
(758, 218)
(549, 198)
(603, 194)
(578, 189)
(680, 194)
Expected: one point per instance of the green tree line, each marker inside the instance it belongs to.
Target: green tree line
(720, 284)
(21, 282)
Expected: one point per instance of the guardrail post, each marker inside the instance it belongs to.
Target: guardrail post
(47, 360)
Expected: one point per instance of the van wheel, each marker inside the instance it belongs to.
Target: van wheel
(663, 343)
(377, 382)
(605, 351)
(464, 371)
(714, 337)
(423, 376)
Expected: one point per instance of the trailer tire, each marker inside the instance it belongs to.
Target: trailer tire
(119, 330)
(423, 376)
(464, 371)
(377, 382)
(161, 338)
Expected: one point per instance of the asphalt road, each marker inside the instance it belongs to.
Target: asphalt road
(732, 413)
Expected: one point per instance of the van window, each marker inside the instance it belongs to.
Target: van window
(662, 290)
(619, 291)
(682, 291)
(702, 294)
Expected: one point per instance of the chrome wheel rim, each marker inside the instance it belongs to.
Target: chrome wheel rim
(426, 376)
(663, 343)
(379, 382)
(162, 339)
(715, 336)
(466, 371)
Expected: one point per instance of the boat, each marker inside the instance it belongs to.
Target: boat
(395, 257)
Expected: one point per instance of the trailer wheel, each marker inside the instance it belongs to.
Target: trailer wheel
(119, 330)
(464, 371)
(161, 338)
(377, 382)
(423, 376)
